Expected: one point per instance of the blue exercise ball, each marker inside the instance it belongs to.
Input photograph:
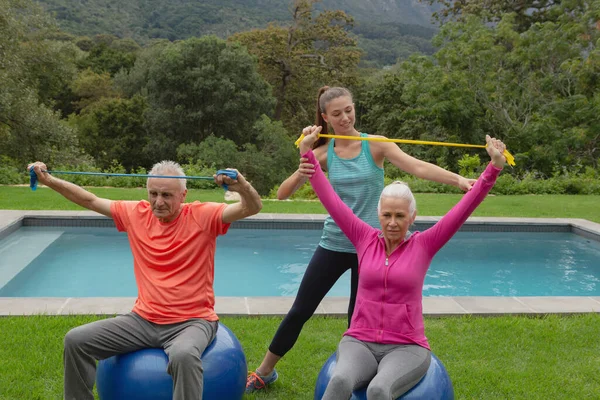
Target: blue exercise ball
(435, 385)
(142, 375)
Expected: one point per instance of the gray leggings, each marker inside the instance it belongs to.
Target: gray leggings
(184, 344)
(391, 369)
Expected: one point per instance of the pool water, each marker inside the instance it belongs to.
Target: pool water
(97, 262)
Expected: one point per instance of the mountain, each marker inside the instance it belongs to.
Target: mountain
(408, 12)
(404, 24)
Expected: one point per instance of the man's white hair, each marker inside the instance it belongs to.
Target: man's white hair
(167, 167)
(399, 189)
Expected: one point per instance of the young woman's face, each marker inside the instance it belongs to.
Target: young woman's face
(339, 113)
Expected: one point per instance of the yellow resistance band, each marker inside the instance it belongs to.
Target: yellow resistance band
(510, 159)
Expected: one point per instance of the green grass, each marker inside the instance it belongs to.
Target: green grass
(549, 206)
(554, 357)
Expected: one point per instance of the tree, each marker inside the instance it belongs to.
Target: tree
(114, 129)
(135, 80)
(29, 128)
(102, 57)
(50, 65)
(419, 100)
(90, 87)
(314, 50)
(527, 12)
(535, 90)
(265, 163)
(212, 151)
(199, 87)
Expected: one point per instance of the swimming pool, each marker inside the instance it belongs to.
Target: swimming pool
(96, 262)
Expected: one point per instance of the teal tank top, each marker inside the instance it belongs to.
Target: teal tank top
(359, 183)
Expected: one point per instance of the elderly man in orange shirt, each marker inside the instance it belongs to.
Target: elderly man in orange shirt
(173, 245)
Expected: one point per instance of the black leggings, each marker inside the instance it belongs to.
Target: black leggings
(324, 269)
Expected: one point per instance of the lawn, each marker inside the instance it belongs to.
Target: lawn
(548, 206)
(552, 357)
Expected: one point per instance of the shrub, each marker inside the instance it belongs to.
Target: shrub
(469, 165)
(507, 184)
(585, 183)
(198, 169)
(10, 175)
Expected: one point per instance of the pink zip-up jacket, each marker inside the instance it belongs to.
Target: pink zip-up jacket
(389, 300)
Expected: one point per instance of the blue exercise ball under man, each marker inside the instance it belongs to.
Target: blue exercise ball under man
(142, 375)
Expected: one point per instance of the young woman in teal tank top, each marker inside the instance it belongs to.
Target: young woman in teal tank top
(356, 172)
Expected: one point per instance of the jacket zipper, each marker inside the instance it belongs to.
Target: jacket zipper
(383, 300)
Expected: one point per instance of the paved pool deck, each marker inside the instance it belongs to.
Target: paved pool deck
(330, 306)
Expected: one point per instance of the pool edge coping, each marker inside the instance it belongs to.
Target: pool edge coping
(10, 220)
(330, 306)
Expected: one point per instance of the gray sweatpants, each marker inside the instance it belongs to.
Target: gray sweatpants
(391, 369)
(183, 342)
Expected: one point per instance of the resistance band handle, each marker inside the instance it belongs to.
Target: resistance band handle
(227, 172)
(33, 178)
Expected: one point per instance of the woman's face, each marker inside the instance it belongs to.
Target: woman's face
(395, 218)
(339, 113)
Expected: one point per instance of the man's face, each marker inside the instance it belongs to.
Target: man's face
(165, 196)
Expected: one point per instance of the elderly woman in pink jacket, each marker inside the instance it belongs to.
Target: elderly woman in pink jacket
(385, 346)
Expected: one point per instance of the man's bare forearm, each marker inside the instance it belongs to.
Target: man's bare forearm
(250, 200)
(70, 191)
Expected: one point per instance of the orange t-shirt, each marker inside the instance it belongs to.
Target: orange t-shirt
(173, 262)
